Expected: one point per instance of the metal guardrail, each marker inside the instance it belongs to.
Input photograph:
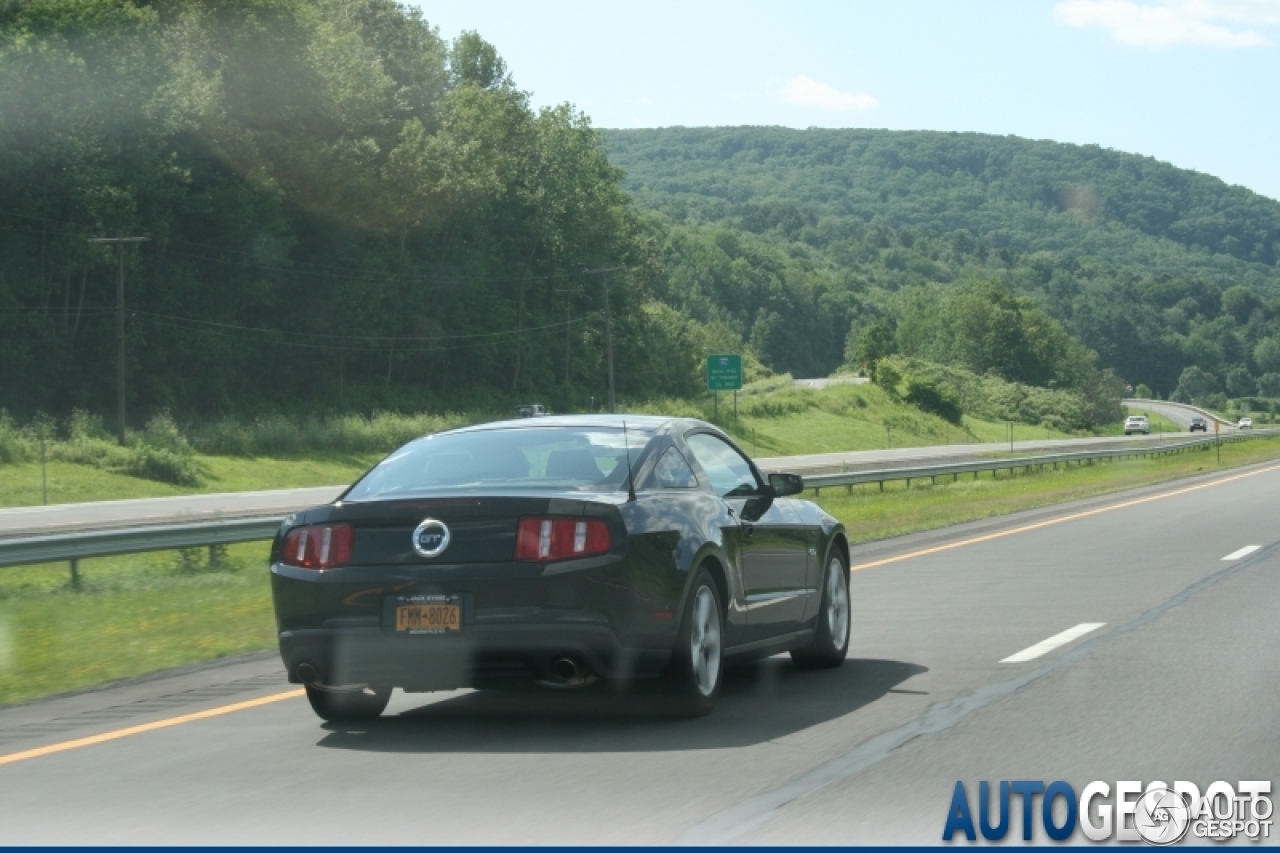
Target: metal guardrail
(73, 547)
(818, 482)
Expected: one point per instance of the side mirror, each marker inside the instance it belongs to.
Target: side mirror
(786, 484)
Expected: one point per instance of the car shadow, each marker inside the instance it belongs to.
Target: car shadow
(766, 700)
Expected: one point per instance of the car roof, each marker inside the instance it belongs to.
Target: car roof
(652, 423)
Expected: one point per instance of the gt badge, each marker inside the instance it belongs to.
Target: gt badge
(430, 538)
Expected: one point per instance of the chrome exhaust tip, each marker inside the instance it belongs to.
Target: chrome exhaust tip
(568, 669)
(306, 673)
(569, 672)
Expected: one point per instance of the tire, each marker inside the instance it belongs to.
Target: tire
(830, 643)
(696, 673)
(352, 706)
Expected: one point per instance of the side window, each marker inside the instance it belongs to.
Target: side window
(726, 468)
(672, 472)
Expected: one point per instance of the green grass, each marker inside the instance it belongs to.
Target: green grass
(989, 431)
(135, 614)
(776, 419)
(869, 514)
(20, 485)
(1159, 424)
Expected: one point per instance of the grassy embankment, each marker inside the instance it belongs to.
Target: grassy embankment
(140, 614)
(774, 419)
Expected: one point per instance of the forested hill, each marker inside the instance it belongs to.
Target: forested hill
(346, 212)
(1007, 192)
(791, 236)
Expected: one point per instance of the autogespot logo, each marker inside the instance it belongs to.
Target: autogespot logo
(1158, 813)
(1162, 816)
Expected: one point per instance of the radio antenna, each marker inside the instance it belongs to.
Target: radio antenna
(626, 447)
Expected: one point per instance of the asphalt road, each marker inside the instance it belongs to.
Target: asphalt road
(828, 381)
(1179, 414)
(1178, 682)
(93, 515)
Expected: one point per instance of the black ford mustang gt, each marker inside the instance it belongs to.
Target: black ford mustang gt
(559, 550)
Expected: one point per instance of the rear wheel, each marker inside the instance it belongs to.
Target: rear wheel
(348, 706)
(830, 641)
(696, 670)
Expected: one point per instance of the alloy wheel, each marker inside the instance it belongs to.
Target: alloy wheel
(837, 603)
(704, 641)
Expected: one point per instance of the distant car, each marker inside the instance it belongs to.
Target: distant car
(1199, 424)
(1137, 423)
(1245, 423)
(532, 410)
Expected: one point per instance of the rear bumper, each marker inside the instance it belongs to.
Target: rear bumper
(480, 655)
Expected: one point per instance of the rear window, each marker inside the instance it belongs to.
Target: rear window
(554, 458)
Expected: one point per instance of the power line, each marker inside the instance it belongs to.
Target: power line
(277, 341)
(260, 330)
(290, 265)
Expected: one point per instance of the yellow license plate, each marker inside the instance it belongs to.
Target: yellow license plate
(429, 618)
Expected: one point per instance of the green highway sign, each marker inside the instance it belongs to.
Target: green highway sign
(724, 372)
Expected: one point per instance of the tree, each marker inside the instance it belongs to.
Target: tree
(1239, 302)
(1240, 383)
(875, 342)
(1194, 386)
(887, 377)
(928, 396)
(1269, 385)
(1267, 355)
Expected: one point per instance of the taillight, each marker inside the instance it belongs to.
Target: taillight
(320, 546)
(546, 539)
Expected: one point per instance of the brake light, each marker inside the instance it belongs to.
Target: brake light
(546, 539)
(320, 546)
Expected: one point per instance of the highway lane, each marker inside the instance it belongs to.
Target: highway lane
(1177, 683)
(1178, 413)
(96, 515)
(93, 515)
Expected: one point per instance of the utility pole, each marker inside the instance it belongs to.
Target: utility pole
(569, 293)
(608, 330)
(119, 244)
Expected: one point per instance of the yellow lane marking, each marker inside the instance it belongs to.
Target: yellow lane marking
(1060, 520)
(148, 727)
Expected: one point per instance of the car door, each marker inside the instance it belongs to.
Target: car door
(775, 549)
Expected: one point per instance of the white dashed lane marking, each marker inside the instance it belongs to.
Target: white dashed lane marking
(1046, 646)
(1243, 552)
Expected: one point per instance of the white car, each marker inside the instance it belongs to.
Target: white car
(1137, 423)
(1245, 423)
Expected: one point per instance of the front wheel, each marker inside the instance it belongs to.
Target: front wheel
(348, 706)
(695, 673)
(830, 643)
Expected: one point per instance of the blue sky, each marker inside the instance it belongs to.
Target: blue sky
(1193, 82)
